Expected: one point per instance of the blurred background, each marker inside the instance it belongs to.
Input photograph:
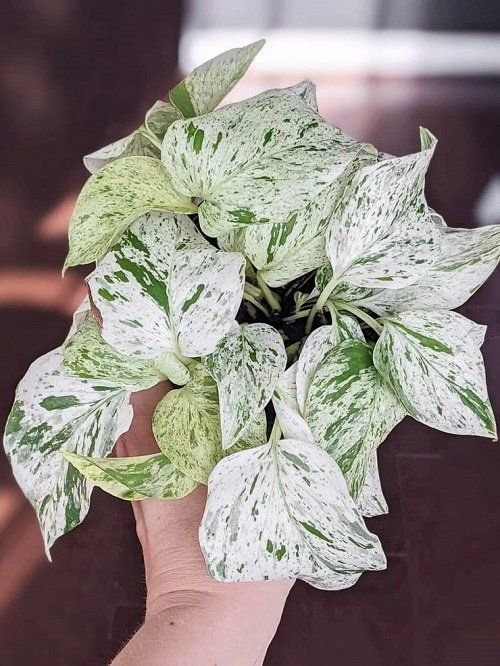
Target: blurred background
(76, 74)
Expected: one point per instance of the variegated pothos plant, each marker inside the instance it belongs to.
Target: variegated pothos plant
(295, 287)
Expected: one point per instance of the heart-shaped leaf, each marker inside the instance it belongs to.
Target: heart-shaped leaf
(207, 85)
(186, 425)
(246, 365)
(382, 233)
(350, 409)
(467, 258)
(167, 288)
(371, 501)
(254, 162)
(437, 371)
(134, 478)
(283, 511)
(114, 197)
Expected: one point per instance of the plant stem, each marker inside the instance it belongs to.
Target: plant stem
(275, 432)
(320, 303)
(364, 316)
(248, 297)
(270, 297)
(297, 315)
(253, 290)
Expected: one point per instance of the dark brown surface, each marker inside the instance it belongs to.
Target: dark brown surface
(85, 77)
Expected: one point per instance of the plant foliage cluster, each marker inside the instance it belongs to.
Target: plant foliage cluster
(295, 287)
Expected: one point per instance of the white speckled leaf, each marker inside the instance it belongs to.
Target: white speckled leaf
(344, 291)
(207, 85)
(87, 354)
(246, 365)
(145, 140)
(384, 234)
(350, 409)
(467, 258)
(255, 161)
(315, 348)
(163, 289)
(371, 500)
(134, 478)
(53, 412)
(292, 423)
(114, 197)
(283, 511)
(437, 371)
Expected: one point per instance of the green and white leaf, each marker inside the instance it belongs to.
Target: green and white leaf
(256, 161)
(286, 406)
(186, 426)
(86, 354)
(437, 371)
(167, 288)
(246, 365)
(52, 413)
(282, 511)
(207, 85)
(112, 199)
(384, 233)
(371, 500)
(145, 140)
(467, 258)
(350, 409)
(134, 478)
(344, 291)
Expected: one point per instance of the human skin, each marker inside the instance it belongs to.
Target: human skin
(190, 618)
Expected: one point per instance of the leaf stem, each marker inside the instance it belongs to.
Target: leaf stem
(360, 314)
(275, 432)
(253, 290)
(320, 303)
(297, 315)
(248, 297)
(269, 295)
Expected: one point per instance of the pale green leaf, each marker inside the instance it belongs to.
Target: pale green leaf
(467, 258)
(254, 162)
(164, 290)
(350, 409)
(134, 478)
(207, 85)
(246, 365)
(283, 511)
(52, 413)
(114, 197)
(437, 371)
(186, 425)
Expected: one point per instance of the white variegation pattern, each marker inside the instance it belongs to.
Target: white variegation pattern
(145, 140)
(171, 291)
(371, 500)
(282, 511)
(186, 426)
(207, 85)
(114, 197)
(134, 478)
(254, 162)
(54, 412)
(286, 406)
(384, 234)
(437, 371)
(350, 409)
(246, 365)
(467, 258)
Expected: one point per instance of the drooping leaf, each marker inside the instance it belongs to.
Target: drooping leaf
(145, 140)
(134, 478)
(467, 258)
(246, 365)
(207, 85)
(437, 371)
(54, 412)
(371, 501)
(86, 354)
(283, 511)
(254, 162)
(112, 199)
(168, 289)
(384, 235)
(350, 409)
(186, 425)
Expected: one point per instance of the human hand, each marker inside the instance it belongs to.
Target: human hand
(190, 618)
